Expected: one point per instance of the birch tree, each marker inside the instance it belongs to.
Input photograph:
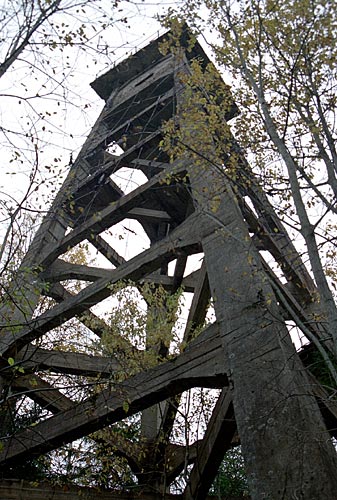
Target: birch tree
(280, 60)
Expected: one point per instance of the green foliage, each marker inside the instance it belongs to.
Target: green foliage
(202, 117)
(91, 462)
(231, 478)
(313, 360)
(141, 326)
(36, 468)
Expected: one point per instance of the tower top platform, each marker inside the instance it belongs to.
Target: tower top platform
(142, 60)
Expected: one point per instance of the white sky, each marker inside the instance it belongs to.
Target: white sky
(68, 118)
